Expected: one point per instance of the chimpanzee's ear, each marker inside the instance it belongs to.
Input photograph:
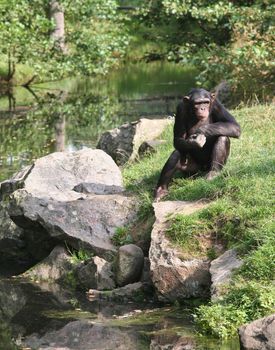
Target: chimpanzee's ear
(186, 98)
(213, 96)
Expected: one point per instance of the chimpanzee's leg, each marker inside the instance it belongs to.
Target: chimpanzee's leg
(219, 156)
(176, 161)
(167, 173)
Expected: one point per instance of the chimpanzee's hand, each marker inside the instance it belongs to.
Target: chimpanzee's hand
(197, 140)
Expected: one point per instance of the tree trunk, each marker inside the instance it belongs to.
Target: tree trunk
(58, 34)
(60, 134)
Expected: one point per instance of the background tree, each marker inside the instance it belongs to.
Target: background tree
(230, 40)
(33, 33)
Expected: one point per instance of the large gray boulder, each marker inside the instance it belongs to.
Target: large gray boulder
(60, 198)
(123, 143)
(56, 175)
(129, 264)
(84, 224)
(221, 270)
(259, 334)
(175, 278)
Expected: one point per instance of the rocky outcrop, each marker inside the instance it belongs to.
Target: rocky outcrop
(221, 270)
(74, 197)
(123, 143)
(129, 264)
(85, 224)
(258, 335)
(175, 278)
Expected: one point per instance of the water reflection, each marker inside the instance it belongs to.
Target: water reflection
(71, 114)
(47, 317)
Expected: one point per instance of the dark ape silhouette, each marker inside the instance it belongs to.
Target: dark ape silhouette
(201, 138)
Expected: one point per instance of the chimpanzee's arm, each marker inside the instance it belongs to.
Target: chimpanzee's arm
(224, 124)
(180, 143)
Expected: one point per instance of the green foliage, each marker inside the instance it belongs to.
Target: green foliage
(70, 280)
(244, 303)
(122, 236)
(224, 40)
(220, 320)
(6, 337)
(95, 36)
(80, 255)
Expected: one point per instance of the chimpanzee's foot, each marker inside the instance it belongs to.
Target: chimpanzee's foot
(212, 174)
(160, 192)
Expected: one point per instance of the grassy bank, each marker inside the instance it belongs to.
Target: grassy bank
(241, 216)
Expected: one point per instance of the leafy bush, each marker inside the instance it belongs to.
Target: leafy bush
(220, 320)
(243, 303)
(223, 39)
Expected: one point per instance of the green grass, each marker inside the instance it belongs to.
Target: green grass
(121, 236)
(241, 215)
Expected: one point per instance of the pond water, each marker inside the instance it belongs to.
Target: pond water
(70, 115)
(46, 317)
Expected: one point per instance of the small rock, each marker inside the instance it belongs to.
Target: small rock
(129, 264)
(223, 92)
(85, 274)
(149, 146)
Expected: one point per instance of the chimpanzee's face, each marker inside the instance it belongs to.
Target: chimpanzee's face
(200, 102)
(202, 108)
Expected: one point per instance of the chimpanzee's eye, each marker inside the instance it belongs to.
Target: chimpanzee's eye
(206, 102)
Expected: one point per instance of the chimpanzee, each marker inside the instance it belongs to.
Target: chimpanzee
(201, 138)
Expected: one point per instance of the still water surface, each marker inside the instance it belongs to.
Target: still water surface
(70, 115)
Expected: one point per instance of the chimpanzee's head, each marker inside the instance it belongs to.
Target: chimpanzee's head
(200, 102)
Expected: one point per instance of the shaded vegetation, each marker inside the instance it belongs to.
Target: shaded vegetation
(230, 40)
